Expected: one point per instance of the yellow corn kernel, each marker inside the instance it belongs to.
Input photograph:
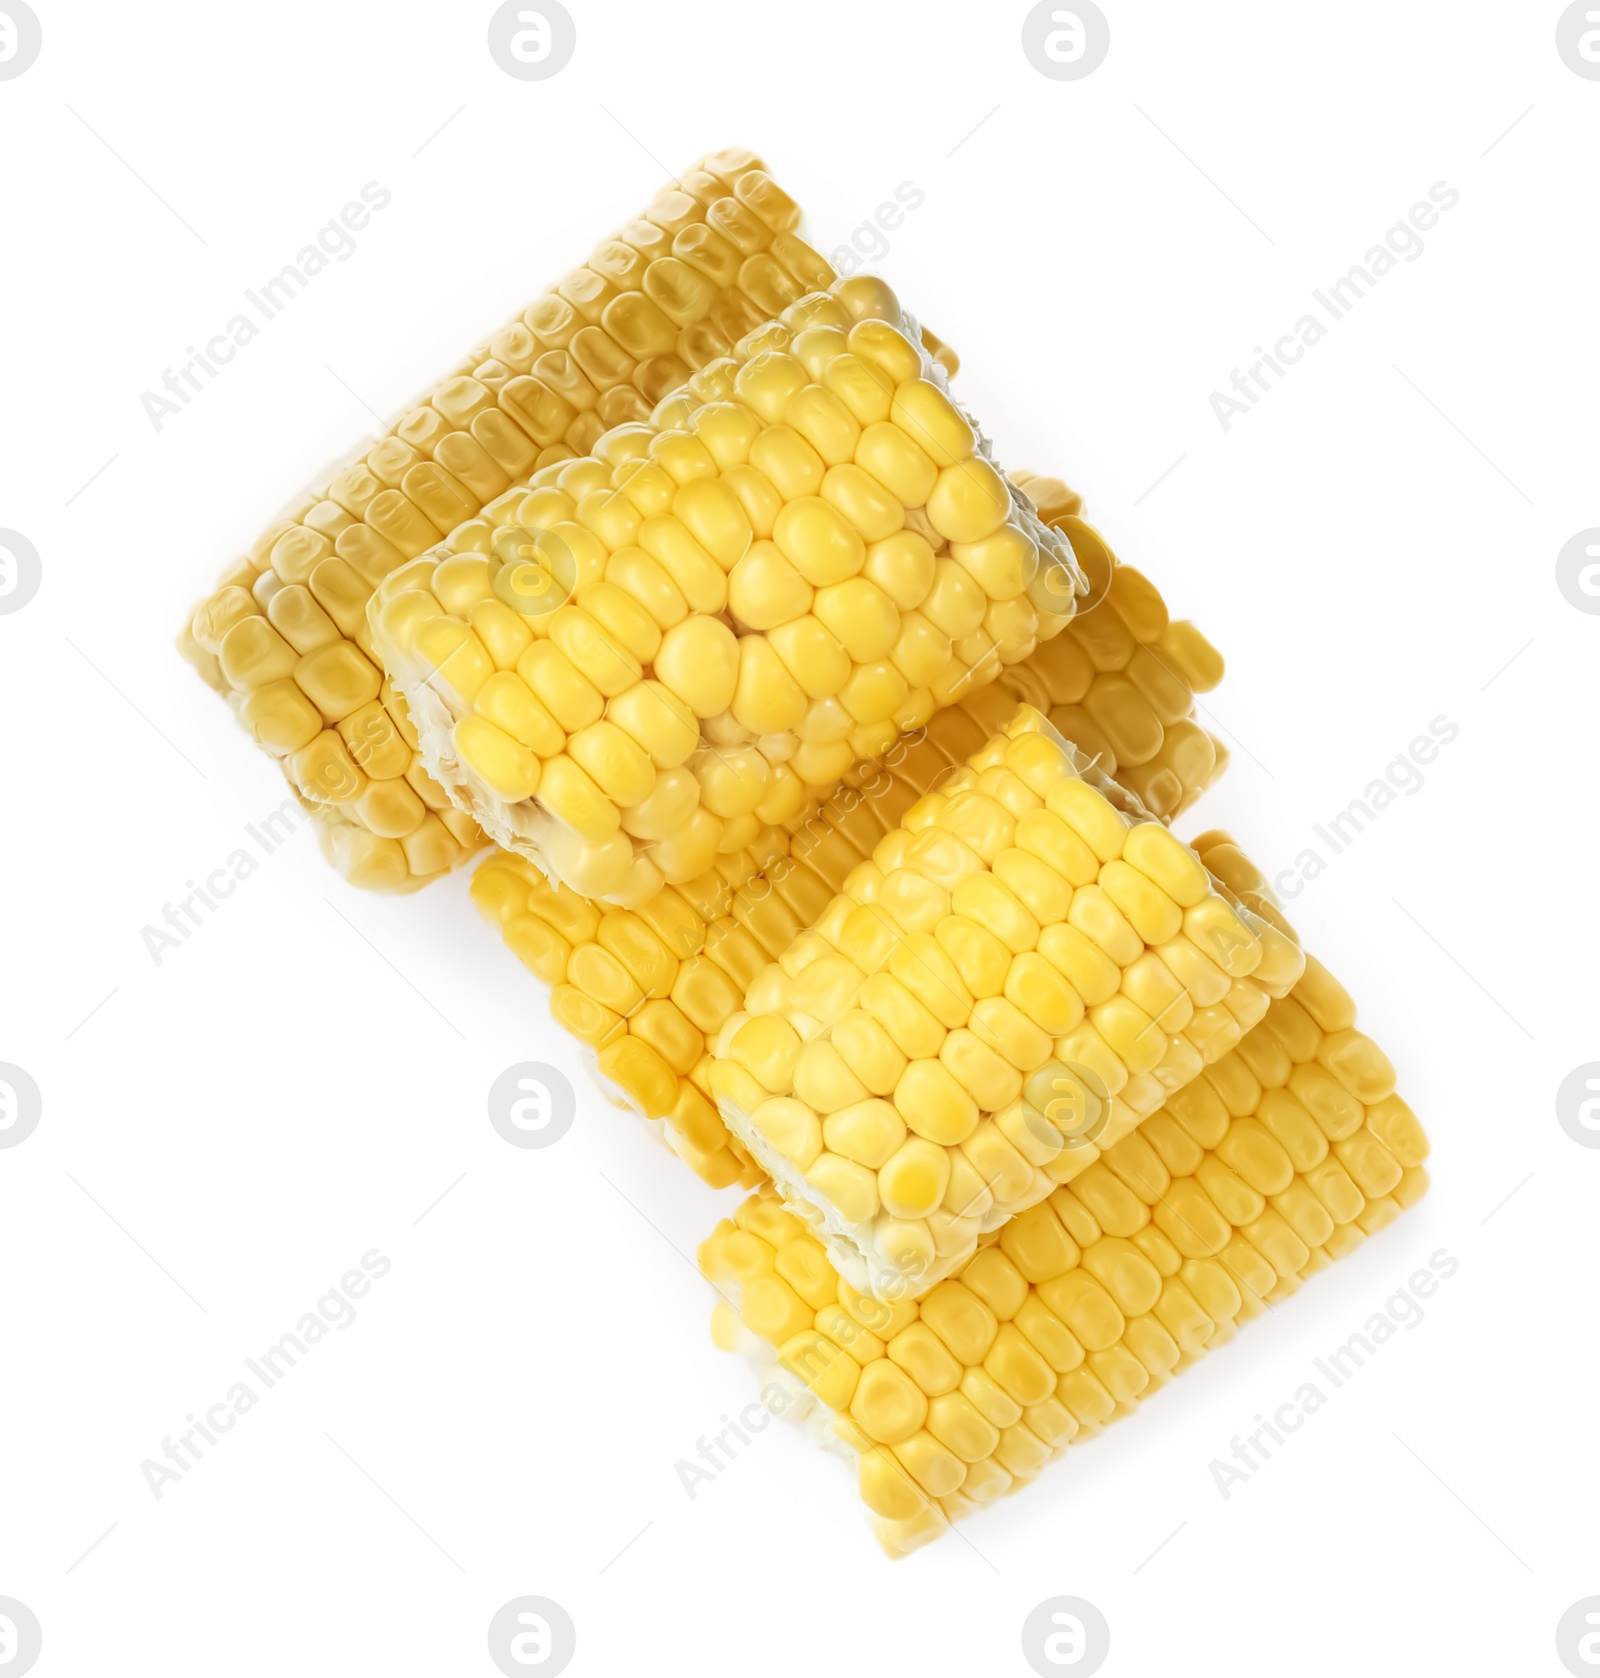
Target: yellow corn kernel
(510, 769)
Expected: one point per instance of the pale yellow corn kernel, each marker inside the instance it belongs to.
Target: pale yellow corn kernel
(862, 385)
(906, 1244)
(1042, 993)
(873, 694)
(767, 381)
(868, 1132)
(603, 660)
(767, 1048)
(699, 663)
(765, 590)
(656, 719)
(1148, 910)
(766, 698)
(821, 544)
(1153, 986)
(876, 341)
(1006, 1174)
(934, 1104)
(985, 899)
(1167, 861)
(822, 765)
(1086, 1051)
(785, 797)
(816, 346)
(927, 416)
(969, 502)
(825, 723)
(726, 430)
(825, 423)
(1003, 563)
(690, 849)
(812, 655)
(732, 782)
(1215, 929)
(503, 632)
(978, 956)
(1044, 893)
(1200, 664)
(1137, 1041)
(253, 655)
(613, 761)
(922, 651)
(860, 615)
(569, 697)
(851, 1189)
(696, 575)
(281, 717)
(955, 602)
(1098, 919)
(452, 652)
(1090, 816)
(1043, 834)
(786, 461)
(461, 582)
(510, 769)
(570, 794)
(712, 514)
(594, 867)
(902, 565)
(1195, 971)
(824, 1081)
(1003, 1027)
(869, 507)
(892, 458)
(981, 1070)
(791, 1128)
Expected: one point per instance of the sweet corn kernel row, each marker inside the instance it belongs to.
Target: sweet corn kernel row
(1120, 681)
(1027, 968)
(1281, 1156)
(285, 634)
(633, 664)
(648, 994)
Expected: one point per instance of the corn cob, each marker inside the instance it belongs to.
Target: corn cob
(1283, 1155)
(1029, 965)
(285, 636)
(569, 659)
(667, 977)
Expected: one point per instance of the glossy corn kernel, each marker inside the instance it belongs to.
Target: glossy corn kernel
(1028, 966)
(793, 560)
(285, 634)
(1282, 1156)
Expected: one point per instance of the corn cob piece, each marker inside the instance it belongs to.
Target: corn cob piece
(1120, 681)
(285, 637)
(648, 654)
(1028, 967)
(667, 978)
(1283, 1155)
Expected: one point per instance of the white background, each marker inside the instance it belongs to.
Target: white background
(226, 1133)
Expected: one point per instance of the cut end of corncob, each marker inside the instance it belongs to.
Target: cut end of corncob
(1028, 967)
(1284, 1154)
(629, 667)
